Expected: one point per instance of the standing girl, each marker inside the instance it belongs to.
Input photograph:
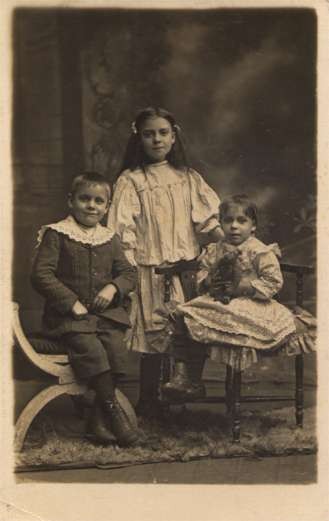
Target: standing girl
(160, 209)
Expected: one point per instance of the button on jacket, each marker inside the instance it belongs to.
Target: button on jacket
(66, 270)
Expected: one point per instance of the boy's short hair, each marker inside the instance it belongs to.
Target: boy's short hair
(249, 207)
(88, 179)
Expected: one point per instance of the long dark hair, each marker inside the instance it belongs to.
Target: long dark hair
(135, 156)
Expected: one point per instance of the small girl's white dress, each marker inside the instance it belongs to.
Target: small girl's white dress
(259, 322)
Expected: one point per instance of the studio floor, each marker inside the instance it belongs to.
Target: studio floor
(299, 469)
(296, 469)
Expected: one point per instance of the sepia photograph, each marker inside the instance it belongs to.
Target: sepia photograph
(164, 298)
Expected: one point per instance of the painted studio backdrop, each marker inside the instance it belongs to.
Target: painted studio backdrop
(241, 84)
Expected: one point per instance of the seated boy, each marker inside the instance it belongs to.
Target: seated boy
(82, 272)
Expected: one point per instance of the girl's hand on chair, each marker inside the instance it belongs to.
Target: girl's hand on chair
(104, 298)
(216, 234)
(79, 311)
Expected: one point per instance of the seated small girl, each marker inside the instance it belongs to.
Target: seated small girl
(239, 312)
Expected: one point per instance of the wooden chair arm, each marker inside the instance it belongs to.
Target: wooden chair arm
(299, 269)
(186, 271)
(177, 268)
(181, 267)
(192, 265)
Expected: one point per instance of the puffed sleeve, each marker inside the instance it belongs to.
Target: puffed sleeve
(270, 280)
(124, 209)
(205, 204)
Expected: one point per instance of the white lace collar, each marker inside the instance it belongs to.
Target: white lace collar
(94, 237)
(255, 246)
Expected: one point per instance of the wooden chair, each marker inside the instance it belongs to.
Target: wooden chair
(187, 270)
(53, 361)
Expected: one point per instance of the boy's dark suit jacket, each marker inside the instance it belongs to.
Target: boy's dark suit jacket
(65, 271)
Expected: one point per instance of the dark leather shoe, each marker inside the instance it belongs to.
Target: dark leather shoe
(180, 382)
(121, 427)
(196, 392)
(183, 392)
(181, 387)
(97, 429)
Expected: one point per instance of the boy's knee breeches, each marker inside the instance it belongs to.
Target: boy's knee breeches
(93, 353)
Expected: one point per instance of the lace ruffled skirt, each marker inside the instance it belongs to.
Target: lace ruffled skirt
(243, 322)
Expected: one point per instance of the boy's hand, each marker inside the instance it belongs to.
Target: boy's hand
(79, 311)
(104, 297)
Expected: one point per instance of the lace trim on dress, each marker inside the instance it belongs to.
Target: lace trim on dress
(263, 322)
(301, 342)
(207, 335)
(262, 333)
(101, 234)
(256, 247)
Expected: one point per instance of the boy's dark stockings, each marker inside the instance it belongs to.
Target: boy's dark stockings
(104, 386)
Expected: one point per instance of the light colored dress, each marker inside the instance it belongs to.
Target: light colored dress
(158, 213)
(258, 322)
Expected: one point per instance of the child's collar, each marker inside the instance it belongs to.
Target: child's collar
(69, 227)
(243, 245)
(254, 244)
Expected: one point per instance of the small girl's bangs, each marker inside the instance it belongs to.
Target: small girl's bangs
(249, 208)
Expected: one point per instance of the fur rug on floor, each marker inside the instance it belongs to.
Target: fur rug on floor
(193, 433)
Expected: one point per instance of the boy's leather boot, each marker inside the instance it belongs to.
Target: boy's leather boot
(96, 428)
(114, 415)
(124, 432)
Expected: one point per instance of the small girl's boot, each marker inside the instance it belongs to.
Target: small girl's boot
(190, 357)
(185, 385)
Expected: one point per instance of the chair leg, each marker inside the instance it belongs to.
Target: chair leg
(37, 404)
(236, 391)
(165, 374)
(228, 389)
(299, 393)
(165, 370)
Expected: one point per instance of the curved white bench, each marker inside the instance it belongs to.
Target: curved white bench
(59, 367)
